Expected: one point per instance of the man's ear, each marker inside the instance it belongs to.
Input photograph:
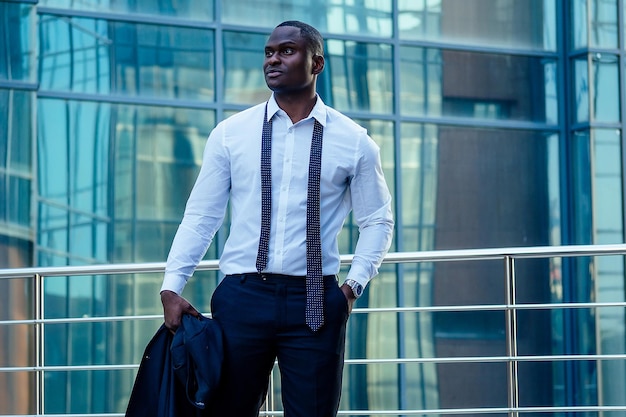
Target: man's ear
(318, 64)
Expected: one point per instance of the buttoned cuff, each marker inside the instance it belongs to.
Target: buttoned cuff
(359, 274)
(173, 282)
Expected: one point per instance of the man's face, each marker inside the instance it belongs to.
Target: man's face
(288, 65)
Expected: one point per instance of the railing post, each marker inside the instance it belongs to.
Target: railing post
(39, 345)
(511, 337)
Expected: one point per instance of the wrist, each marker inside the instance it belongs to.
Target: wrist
(355, 287)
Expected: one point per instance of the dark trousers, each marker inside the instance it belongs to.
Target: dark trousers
(262, 318)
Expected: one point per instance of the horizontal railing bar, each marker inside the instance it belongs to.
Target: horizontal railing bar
(489, 307)
(382, 361)
(393, 257)
(369, 310)
(500, 253)
(574, 409)
(67, 368)
(108, 269)
(81, 319)
(447, 411)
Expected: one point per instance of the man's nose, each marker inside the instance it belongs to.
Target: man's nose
(272, 58)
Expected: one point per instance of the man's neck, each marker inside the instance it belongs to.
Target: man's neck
(297, 107)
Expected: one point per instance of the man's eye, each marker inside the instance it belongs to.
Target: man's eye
(287, 51)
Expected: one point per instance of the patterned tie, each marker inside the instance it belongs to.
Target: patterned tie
(314, 315)
(314, 279)
(266, 193)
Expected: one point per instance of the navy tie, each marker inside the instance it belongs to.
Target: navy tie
(266, 193)
(314, 315)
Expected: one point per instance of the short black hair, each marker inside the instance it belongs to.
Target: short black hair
(313, 38)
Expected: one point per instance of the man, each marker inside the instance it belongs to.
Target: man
(280, 298)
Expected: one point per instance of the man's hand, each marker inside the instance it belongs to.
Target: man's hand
(347, 291)
(174, 306)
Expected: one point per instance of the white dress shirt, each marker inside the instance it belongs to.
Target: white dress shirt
(351, 179)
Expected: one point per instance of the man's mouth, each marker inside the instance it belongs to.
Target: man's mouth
(272, 73)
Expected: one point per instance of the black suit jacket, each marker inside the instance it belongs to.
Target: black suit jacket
(178, 373)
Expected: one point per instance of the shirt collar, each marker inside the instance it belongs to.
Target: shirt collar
(318, 112)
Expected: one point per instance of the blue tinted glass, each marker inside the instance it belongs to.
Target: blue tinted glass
(605, 78)
(475, 188)
(191, 9)
(17, 46)
(529, 24)
(477, 85)
(358, 76)
(98, 56)
(102, 164)
(366, 18)
(244, 82)
(596, 92)
(607, 186)
(581, 90)
(594, 24)
(20, 130)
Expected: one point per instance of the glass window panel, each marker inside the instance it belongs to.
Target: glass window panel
(104, 392)
(190, 9)
(358, 76)
(98, 56)
(539, 384)
(469, 385)
(370, 387)
(5, 122)
(597, 183)
(16, 130)
(605, 92)
(16, 354)
(73, 170)
(595, 23)
(446, 284)
(499, 178)
(607, 183)
(143, 159)
(581, 180)
(244, 82)
(536, 334)
(17, 42)
(12, 202)
(581, 90)
(529, 24)
(17, 391)
(477, 85)
(18, 201)
(167, 153)
(596, 96)
(53, 225)
(17, 304)
(52, 146)
(418, 153)
(21, 134)
(16, 252)
(87, 238)
(365, 18)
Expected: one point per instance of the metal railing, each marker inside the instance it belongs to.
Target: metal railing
(508, 256)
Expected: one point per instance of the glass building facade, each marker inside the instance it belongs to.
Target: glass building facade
(500, 123)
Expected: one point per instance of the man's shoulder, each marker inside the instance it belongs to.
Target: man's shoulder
(339, 121)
